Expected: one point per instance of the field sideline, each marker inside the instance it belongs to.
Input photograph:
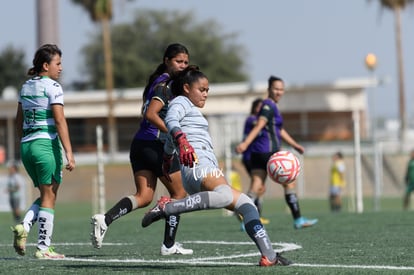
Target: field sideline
(345, 243)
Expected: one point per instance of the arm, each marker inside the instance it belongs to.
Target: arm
(177, 110)
(261, 123)
(152, 115)
(63, 132)
(289, 140)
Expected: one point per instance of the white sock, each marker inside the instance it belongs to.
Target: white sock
(30, 217)
(45, 222)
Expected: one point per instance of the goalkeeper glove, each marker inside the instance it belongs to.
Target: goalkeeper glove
(187, 154)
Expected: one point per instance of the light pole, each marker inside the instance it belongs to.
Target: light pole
(371, 64)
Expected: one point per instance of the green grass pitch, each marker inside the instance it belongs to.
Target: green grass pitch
(344, 243)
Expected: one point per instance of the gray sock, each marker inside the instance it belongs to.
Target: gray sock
(221, 197)
(254, 227)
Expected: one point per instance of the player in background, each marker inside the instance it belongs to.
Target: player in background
(249, 123)
(15, 184)
(337, 182)
(42, 130)
(146, 155)
(202, 177)
(265, 139)
(409, 181)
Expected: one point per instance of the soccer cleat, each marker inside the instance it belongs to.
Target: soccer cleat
(177, 248)
(264, 220)
(19, 240)
(48, 253)
(99, 229)
(156, 213)
(280, 260)
(242, 228)
(264, 261)
(304, 222)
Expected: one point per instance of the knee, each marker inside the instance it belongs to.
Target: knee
(178, 193)
(178, 196)
(226, 193)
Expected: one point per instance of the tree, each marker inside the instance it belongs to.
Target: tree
(12, 68)
(396, 6)
(138, 46)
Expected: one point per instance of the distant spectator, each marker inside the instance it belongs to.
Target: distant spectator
(15, 183)
(337, 182)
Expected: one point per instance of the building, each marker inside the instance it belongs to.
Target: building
(313, 112)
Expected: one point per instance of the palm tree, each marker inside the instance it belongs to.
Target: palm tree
(397, 6)
(101, 11)
(47, 18)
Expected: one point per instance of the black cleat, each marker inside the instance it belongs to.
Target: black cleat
(282, 260)
(264, 261)
(156, 213)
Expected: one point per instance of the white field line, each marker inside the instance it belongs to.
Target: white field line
(381, 267)
(284, 246)
(218, 260)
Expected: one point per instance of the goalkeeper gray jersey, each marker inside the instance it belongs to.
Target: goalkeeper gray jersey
(185, 115)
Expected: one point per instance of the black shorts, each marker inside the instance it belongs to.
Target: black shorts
(247, 165)
(259, 160)
(148, 155)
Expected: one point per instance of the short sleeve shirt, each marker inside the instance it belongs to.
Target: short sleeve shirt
(185, 115)
(37, 96)
(270, 139)
(249, 124)
(162, 92)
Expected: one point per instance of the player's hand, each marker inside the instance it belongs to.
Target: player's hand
(187, 154)
(71, 162)
(300, 149)
(166, 166)
(241, 148)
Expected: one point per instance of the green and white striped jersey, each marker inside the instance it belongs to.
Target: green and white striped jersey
(37, 96)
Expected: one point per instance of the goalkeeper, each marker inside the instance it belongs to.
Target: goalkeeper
(202, 178)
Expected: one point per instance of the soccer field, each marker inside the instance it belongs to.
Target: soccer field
(345, 243)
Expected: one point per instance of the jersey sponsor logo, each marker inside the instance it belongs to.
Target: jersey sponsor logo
(191, 201)
(58, 95)
(172, 221)
(201, 173)
(42, 231)
(122, 212)
(177, 203)
(261, 233)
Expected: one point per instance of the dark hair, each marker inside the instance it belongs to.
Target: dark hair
(339, 154)
(255, 103)
(273, 79)
(170, 52)
(188, 76)
(43, 55)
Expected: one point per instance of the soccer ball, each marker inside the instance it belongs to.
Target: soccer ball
(283, 167)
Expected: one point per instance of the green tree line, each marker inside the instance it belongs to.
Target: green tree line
(137, 48)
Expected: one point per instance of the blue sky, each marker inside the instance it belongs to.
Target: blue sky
(318, 41)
